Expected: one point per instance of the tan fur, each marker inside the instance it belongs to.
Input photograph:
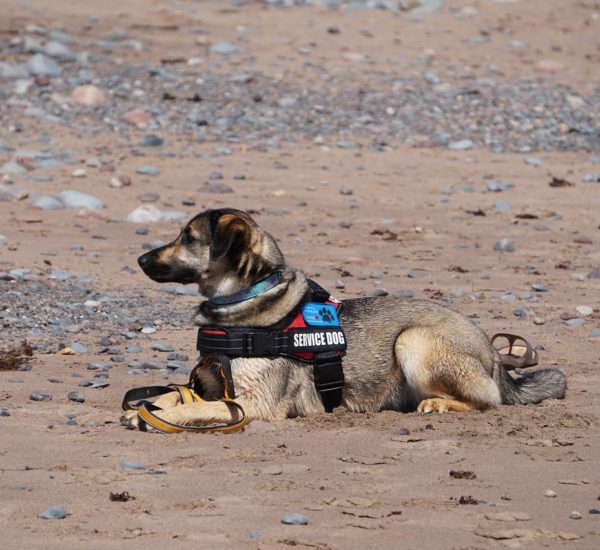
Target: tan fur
(402, 355)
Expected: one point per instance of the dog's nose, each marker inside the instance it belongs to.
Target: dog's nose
(144, 260)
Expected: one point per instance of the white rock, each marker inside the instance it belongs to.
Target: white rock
(584, 311)
(78, 199)
(146, 213)
(48, 202)
(79, 173)
(88, 95)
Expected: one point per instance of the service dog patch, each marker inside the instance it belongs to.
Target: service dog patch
(320, 315)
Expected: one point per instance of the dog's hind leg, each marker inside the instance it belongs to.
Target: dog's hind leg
(442, 376)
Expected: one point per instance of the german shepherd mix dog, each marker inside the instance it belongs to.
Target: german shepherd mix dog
(402, 354)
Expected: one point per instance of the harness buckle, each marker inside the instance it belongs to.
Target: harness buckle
(261, 343)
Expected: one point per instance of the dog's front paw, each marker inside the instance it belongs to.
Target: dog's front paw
(130, 420)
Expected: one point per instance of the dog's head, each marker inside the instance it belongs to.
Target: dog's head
(218, 249)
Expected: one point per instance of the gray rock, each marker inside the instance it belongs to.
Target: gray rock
(40, 64)
(131, 465)
(224, 48)
(48, 202)
(520, 313)
(78, 199)
(184, 290)
(54, 512)
(117, 358)
(215, 188)
(135, 349)
(59, 275)
(162, 346)
(404, 294)
(294, 518)
(594, 334)
(215, 175)
(152, 140)
(287, 101)
(148, 170)
(498, 186)
(502, 205)
(534, 161)
(13, 71)
(76, 396)
(575, 322)
(174, 215)
(461, 145)
(58, 50)
(504, 245)
(4, 412)
(40, 396)
(593, 177)
(143, 230)
(77, 347)
(20, 273)
(539, 287)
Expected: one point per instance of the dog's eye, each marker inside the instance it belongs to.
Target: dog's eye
(186, 234)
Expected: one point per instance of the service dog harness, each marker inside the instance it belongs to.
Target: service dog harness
(310, 333)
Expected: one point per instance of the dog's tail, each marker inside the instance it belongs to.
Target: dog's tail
(530, 387)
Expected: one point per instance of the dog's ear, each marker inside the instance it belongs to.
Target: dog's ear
(231, 233)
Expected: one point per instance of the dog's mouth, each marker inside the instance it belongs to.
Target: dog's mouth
(166, 273)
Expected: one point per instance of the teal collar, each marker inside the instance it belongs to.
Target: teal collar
(251, 292)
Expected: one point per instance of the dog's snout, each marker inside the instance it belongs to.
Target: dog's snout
(144, 260)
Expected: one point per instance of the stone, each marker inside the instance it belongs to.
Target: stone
(40, 64)
(58, 50)
(502, 205)
(13, 71)
(161, 346)
(76, 396)
(404, 294)
(584, 311)
(148, 170)
(88, 95)
(575, 515)
(131, 465)
(120, 181)
(550, 66)
(461, 145)
(79, 173)
(146, 213)
(54, 512)
(534, 161)
(217, 188)
(498, 186)
(538, 287)
(294, 518)
(575, 322)
(593, 177)
(504, 245)
(224, 48)
(152, 140)
(78, 199)
(40, 396)
(48, 202)
(59, 275)
(138, 117)
(550, 493)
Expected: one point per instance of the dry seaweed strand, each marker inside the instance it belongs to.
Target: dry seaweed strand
(11, 359)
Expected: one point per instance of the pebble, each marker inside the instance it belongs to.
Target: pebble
(48, 202)
(88, 95)
(224, 48)
(575, 322)
(520, 313)
(131, 465)
(294, 518)
(575, 515)
(4, 412)
(120, 181)
(161, 346)
(549, 66)
(76, 396)
(148, 330)
(584, 311)
(594, 334)
(498, 186)
(58, 50)
(215, 175)
(143, 230)
(40, 64)
(404, 294)
(148, 170)
(40, 396)
(54, 512)
(502, 205)
(504, 245)
(594, 511)
(534, 161)
(550, 493)
(538, 287)
(138, 117)
(217, 188)
(79, 173)
(78, 199)
(146, 213)
(593, 177)
(152, 140)
(461, 145)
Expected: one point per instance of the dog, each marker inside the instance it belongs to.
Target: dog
(402, 354)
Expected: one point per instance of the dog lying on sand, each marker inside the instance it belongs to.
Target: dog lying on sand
(400, 354)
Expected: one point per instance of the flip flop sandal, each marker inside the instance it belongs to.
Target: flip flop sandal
(515, 352)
